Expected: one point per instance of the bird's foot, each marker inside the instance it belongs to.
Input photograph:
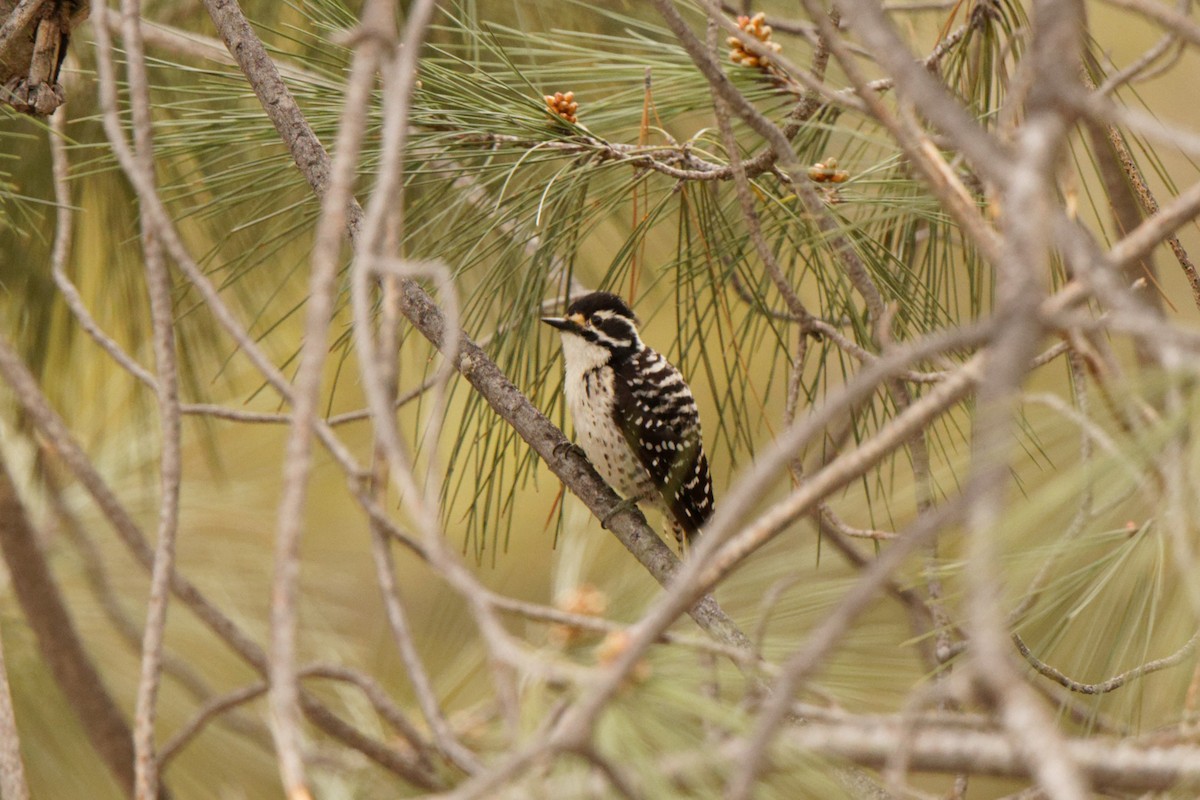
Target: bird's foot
(566, 446)
(627, 504)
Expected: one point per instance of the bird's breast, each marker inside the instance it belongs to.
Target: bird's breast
(590, 397)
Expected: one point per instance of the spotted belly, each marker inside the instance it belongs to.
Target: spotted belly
(590, 401)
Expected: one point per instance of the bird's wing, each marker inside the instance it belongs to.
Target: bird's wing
(655, 411)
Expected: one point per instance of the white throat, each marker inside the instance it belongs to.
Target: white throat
(581, 356)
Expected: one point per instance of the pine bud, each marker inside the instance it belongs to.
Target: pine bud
(562, 105)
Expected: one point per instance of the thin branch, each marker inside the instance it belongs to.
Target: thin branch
(923, 614)
(1149, 207)
(852, 532)
(1029, 201)
(1113, 683)
(284, 696)
(62, 247)
(1142, 63)
(158, 284)
(379, 700)
(414, 668)
(212, 708)
(810, 102)
(556, 616)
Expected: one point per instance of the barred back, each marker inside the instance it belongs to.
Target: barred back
(657, 414)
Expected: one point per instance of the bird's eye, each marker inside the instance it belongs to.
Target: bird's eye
(595, 320)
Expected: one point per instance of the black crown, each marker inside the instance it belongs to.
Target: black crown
(600, 301)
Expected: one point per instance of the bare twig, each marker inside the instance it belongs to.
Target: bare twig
(284, 696)
(1128, 220)
(218, 706)
(810, 102)
(444, 736)
(852, 532)
(158, 283)
(1113, 683)
(1140, 67)
(213, 708)
(379, 700)
(62, 247)
(549, 614)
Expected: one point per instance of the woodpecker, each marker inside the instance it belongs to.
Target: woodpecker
(634, 416)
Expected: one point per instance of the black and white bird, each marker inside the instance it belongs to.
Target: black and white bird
(634, 416)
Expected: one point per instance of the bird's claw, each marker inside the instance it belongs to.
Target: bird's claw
(566, 446)
(624, 505)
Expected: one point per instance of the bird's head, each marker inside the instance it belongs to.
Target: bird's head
(598, 320)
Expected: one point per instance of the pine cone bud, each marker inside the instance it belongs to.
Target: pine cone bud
(755, 26)
(827, 172)
(562, 105)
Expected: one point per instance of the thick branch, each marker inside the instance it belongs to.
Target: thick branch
(870, 741)
(58, 640)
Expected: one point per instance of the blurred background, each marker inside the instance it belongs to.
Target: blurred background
(678, 251)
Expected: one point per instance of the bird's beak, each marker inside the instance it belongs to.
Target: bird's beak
(571, 324)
